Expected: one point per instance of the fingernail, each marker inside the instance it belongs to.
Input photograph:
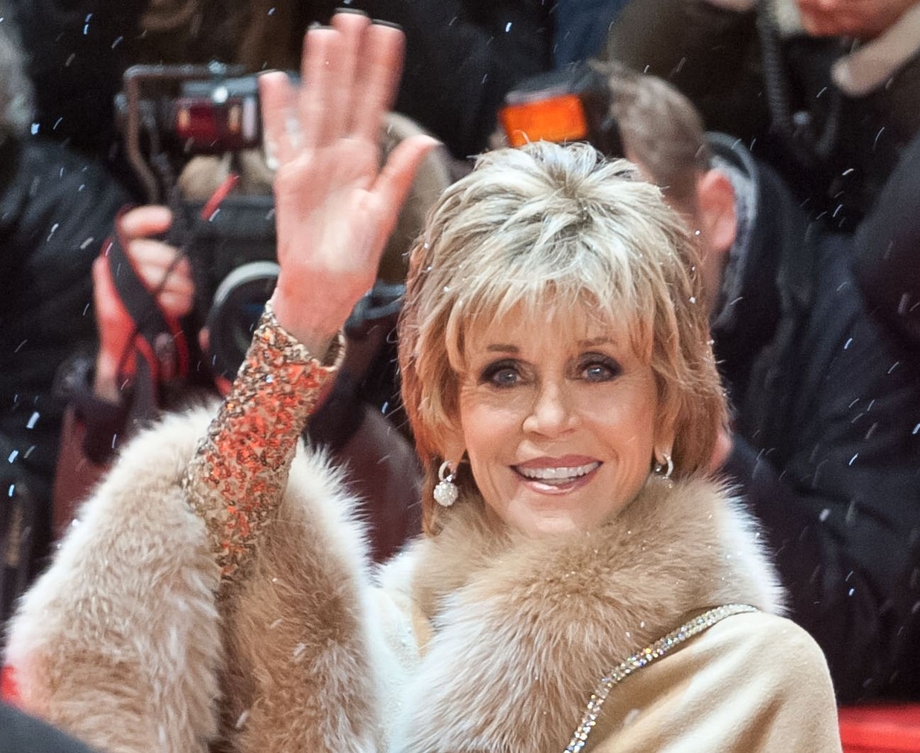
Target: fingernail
(391, 24)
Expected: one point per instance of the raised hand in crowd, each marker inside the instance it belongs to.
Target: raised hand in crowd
(335, 204)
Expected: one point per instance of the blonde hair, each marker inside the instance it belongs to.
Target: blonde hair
(548, 224)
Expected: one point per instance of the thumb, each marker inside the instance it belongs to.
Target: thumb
(114, 325)
(393, 184)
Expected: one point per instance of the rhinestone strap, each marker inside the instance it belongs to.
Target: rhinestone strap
(238, 474)
(643, 658)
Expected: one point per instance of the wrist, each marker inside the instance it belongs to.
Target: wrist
(315, 330)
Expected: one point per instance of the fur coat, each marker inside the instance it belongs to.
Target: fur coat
(473, 640)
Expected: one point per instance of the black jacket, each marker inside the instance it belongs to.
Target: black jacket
(887, 262)
(56, 209)
(827, 449)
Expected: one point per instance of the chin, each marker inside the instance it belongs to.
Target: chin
(538, 526)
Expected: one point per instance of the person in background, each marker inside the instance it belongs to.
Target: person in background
(887, 256)
(56, 210)
(825, 91)
(565, 403)
(826, 401)
(461, 55)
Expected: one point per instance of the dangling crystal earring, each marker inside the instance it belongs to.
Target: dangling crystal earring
(666, 468)
(446, 492)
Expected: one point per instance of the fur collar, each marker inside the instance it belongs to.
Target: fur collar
(523, 629)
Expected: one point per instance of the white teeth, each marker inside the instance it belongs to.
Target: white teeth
(546, 474)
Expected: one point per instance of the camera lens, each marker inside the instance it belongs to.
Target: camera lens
(238, 304)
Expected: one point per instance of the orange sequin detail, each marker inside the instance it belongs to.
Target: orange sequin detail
(237, 477)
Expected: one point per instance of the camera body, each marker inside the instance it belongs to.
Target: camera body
(170, 114)
(234, 268)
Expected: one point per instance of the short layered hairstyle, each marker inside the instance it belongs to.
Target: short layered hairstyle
(550, 227)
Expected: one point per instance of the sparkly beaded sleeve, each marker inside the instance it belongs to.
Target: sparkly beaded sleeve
(238, 474)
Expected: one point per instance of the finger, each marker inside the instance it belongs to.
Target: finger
(277, 97)
(175, 305)
(352, 26)
(322, 50)
(395, 180)
(153, 260)
(103, 287)
(143, 222)
(151, 252)
(113, 323)
(377, 79)
(168, 281)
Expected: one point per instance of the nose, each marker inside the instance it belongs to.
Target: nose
(551, 413)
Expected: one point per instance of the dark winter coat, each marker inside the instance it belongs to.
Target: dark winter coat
(56, 209)
(847, 142)
(827, 442)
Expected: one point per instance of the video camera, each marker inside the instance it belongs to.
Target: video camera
(172, 113)
(168, 115)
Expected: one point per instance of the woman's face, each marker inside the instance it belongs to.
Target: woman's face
(558, 421)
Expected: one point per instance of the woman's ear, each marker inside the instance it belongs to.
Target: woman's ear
(453, 444)
(664, 436)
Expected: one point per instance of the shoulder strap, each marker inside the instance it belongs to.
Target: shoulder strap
(643, 658)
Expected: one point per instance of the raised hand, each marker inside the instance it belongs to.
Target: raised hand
(335, 205)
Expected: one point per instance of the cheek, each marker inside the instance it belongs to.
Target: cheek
(487, 428)
(484, 413)
(629, 427)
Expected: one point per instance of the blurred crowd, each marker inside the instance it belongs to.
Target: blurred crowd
(785, 131)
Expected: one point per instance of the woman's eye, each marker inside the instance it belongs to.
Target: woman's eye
(600, 371)
(501, 375)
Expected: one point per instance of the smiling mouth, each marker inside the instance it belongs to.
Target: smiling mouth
(560, 475)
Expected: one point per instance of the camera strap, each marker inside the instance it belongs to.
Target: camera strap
(158, 341)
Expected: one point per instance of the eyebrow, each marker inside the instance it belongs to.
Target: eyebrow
(596, 341)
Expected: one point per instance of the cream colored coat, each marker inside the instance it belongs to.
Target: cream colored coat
(469, 641)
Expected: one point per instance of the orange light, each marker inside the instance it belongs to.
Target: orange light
(557, 119)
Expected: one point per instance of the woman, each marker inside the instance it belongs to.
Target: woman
(560, 386)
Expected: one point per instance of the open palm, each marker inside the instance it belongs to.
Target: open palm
(335, 205)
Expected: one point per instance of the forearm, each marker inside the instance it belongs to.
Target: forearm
(302, 614)
(237, 477)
